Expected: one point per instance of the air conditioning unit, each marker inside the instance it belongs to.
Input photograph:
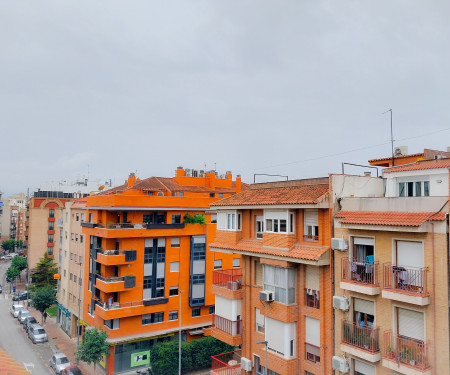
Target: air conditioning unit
(340, 364)
(339, 244)
(341, 303)
(401, 150)
(266, 295)
(246, 364)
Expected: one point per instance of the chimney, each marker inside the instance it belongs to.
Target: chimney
(211, 175)
(238, 183)
(229, 175)
(131, 179)
(180, 172)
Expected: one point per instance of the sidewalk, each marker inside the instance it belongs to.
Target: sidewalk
(60, 342)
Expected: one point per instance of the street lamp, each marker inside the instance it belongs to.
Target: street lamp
(265, 344)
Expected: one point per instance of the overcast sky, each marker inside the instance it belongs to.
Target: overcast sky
(284, 87)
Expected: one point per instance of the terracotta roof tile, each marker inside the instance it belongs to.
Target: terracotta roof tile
(298, 251)
(397, 157)
(307, 194)
(404, 219)
(420, 165)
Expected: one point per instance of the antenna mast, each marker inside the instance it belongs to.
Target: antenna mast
(392, 137)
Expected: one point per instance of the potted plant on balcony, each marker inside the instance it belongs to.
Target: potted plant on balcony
(407, 357)
(389, 352)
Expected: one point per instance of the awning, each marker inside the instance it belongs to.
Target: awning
(196, 332)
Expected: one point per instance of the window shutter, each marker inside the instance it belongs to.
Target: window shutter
(275, 335)
(312, 331)
(312, 280)
(364, 306)
(411, 324)
(259, 274)
(410, 254)
(222, 220)
(364, 368)
(311, 217)
(259, 317)
(363, 241)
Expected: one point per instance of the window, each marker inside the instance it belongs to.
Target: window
(180, 194)
(363, 313)
(148, 255)
(76, 258)
(259, 226)
(51, 212)
(213, 218)
(363, 368)
(74, 278)
(73, 236)
(173, 315)
(81, 238)
(199, 250)
(175, 242)
(112, 323)
(281, 281)
(153, 318)
(363, 249)
(174, 266)
(147, 282)
(212, 309)
(220, 195)
(236, 262)
(198, 279)
(211, 195)
(78, 217)
(82, 217)
(231, 221)
(217, 264)
(66, 235)
(71, 276)
(80, 259)
(279, 335)
(260, 326)
(176, 219)
(311, 228)
(65, 273)
(51, 225)
(196, 312)
(71, 256)
(148, 219)
(80, 281)
(50, 250)
(312, 339)
(312, 286)
(50, 238)
(414, 189)
(173, 291)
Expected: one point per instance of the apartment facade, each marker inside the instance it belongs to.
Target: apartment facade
(12, 219)
(70, 255)
(391, 275)
(282, 294)
(148, 267)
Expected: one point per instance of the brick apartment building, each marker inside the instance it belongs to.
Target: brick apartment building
(392, 275)
(148, 272)
(282, 294)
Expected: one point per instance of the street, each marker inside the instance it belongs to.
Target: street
(13, 338)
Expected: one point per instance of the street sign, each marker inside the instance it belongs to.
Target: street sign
(56, 276)
(14, 289)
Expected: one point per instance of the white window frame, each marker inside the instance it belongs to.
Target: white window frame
(230, 220)
(276, 288)
(415, 183)
(273, 219)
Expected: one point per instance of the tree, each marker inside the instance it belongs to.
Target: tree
(8, 245)
(19, 262)
(43, 274)
(12, 273)
(94, 347)
(43, 298)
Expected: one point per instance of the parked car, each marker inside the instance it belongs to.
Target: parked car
(1, 290)
(22, 296)
(37, 334)
(59, 362)
(29, 320)
(15, 310)
(71, 370)
(22, 315)
(7, 257)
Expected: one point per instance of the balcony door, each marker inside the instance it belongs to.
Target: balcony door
(364, 313)
(259, 226)
(409, 262)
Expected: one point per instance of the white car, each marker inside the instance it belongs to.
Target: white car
(7, 257)
(58, 362)
(15, 310)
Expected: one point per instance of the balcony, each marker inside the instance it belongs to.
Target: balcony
(116, 310)
(114, 284)
(405, 355)
(360, 341)
(226, 330)
(405, 284)
(228, 283)
(359, 276)
(310, 238)
(226, 363)
(115, 257)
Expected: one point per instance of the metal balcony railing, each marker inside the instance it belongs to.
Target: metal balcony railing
(406, 350)
(129, 254)
(110, 305)
(230, 279)
(407, 279)
(360, 272)
(361, 337)
(231, 327)
(112, 279)
(226, 363)
(309, 237)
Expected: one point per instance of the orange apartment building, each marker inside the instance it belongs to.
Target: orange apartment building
(392, 275)
(282, 294)
(148, 272)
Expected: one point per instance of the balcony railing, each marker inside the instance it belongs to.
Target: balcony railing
(361, 337)
(312, 298)
(309, 237)
(129, 281)
(232, 327)
(407, 279)
(406, 350)
(359, 271)
(122, 305)
(121, 225)
(230, 279)
(129, 254)
(226, 363)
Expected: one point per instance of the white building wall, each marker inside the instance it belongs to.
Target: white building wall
(438, 179)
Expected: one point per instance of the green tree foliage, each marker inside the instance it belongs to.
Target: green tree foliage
(94, 346)
(195, 355)
(43, 274)
(12, 273)
(196, 219)
(43, 298)
(8, 245)
(19, 262)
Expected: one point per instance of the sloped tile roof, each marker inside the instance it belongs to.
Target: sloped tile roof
(420, 165)
(404, 219)
(306, 194)
(298, 251)
(115, 189)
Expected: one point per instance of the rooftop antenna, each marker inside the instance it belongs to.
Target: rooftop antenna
(215, 167)
(392, 136)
